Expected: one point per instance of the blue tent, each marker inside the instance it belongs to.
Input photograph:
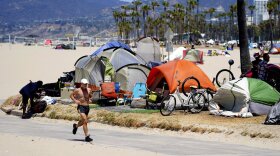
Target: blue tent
(113, 44)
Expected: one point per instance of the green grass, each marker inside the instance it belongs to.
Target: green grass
(141, 111)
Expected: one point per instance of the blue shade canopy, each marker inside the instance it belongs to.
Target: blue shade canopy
(113, 44)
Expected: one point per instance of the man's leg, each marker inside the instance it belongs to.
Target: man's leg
(24, 104)
(76, 126)
(84, 123)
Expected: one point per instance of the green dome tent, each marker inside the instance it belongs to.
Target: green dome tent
(194, 55)
(242, 96)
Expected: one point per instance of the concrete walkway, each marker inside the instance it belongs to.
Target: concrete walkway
(168, 145)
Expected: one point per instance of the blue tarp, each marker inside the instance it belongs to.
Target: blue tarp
(277, 45)
(113, 44)
(152, 64)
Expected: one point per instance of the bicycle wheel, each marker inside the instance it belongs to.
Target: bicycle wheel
(167, 105)
(190, 81)
(224, 76)
(196, 102)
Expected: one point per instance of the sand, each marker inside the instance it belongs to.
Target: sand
(19, 64)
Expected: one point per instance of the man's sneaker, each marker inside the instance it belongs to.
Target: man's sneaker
(74, 128)
(88, 139)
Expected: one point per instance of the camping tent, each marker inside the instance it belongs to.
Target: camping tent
(95, 69)
(149, 49)
(120, 57)
(210, 41)
(113, 44)
(177, 54)
(195, 56)
(243, 95)
(131, 74)
(176, 70)
(48, 42)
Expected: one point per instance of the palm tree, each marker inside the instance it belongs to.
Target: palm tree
(271, 5)
(197, 10)
(165, 6)
(133, 15)
(117, 16)
(154, 4)
(243, 37)
(211, 11)
(137, 3)
(252, 8)
(178, 14)
(145, 11)
(233, 10)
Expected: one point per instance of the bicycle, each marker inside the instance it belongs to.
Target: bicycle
(225, 75)
(194, 102)
(273, 76)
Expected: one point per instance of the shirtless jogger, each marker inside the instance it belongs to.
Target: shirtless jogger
(82, 97)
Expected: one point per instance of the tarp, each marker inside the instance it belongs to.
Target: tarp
(113, 44)
(273, 117)
(131, 74)
(244, 95)
(176, 70)
(176, 54)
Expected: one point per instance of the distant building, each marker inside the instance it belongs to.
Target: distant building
(249, 20)
(260, 13)
(220, 9)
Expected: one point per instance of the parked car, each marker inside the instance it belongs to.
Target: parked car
(254, 45)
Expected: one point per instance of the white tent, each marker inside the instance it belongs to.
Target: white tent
(177, 54)
(210, 41)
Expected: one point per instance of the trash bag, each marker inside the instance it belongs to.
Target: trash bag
(273, 117)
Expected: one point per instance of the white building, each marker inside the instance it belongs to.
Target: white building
(260, 13)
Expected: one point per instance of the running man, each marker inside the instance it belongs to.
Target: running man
(82, 97)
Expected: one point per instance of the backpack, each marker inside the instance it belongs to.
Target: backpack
(39, 106)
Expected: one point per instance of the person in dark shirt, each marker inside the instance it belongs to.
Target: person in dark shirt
(255, 64)
(262, 67)
(29, 92)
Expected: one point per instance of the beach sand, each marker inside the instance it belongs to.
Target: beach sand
(19, 64)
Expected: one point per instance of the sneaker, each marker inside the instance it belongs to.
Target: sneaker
(24, 116)
(88, 139)
(74, 129)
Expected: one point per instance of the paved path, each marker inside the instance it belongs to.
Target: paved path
(155, 143)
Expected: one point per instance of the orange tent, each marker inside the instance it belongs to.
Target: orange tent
(176, 70)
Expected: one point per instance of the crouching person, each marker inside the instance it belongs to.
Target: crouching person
(82, 97)
(29, 92)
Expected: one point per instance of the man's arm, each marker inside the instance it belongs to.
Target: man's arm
(72, 96)
(90, 95)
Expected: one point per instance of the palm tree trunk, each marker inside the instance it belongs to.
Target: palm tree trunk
(271, 31)
(243, 37)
